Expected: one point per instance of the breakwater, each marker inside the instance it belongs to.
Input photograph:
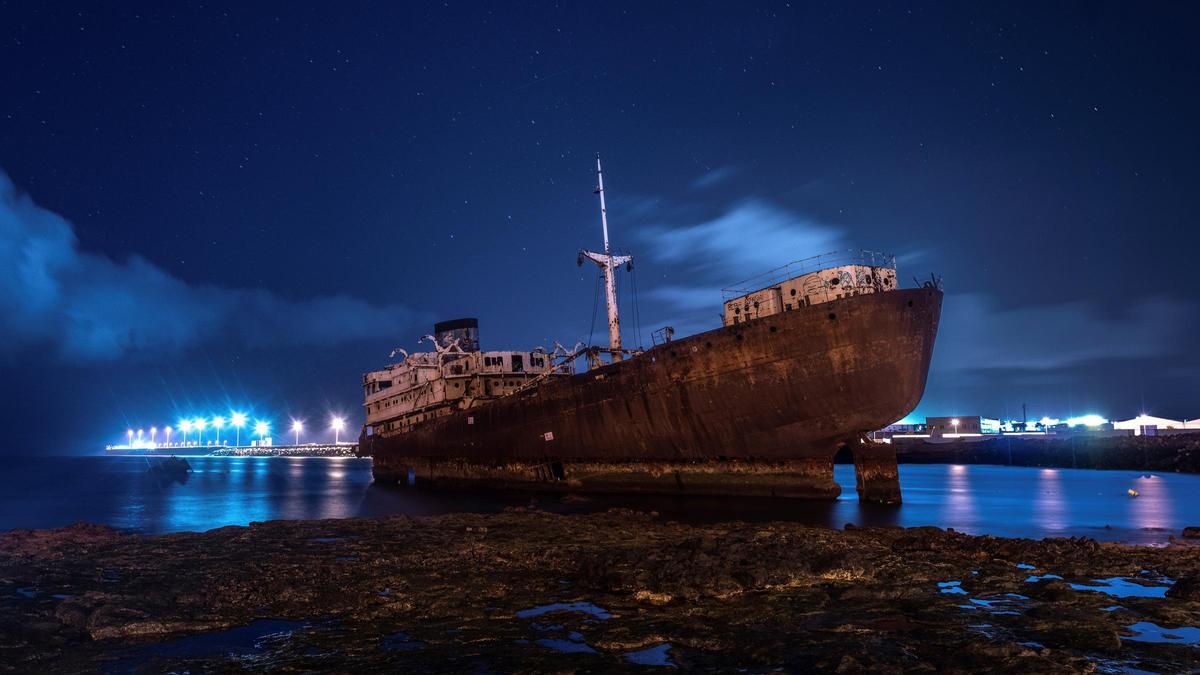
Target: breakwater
(327, 450)
(1177, 453)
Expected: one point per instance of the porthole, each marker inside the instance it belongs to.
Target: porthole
(673, 354)
(910, 303)
(708, 344)
(739, 337)
(793, 292)
(835, 281)
(772, 329)
(832, 316)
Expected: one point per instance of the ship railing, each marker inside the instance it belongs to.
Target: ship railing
(804, 266)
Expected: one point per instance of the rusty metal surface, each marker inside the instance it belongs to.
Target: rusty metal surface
(790, 386)
(804, 478)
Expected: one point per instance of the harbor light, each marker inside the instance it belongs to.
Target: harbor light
(129, 433)
(238, 420)
(1086, 420)
(297, 427)
(198, 424)
(218, 422)
(167, 432)
(955, 423)
(153, 431)
(261, 428)
(186, 427)
(338, 424)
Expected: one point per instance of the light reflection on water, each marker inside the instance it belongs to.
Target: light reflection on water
(1006, 501)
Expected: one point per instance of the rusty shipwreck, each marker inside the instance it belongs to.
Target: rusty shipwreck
(811, 356)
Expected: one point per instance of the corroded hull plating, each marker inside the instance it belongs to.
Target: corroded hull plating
(754, 408)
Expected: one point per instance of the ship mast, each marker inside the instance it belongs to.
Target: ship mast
(608, 262)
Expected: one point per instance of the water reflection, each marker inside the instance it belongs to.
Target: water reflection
(1006, 501)
(960, 496)
(1052, 509)
(1152, 507)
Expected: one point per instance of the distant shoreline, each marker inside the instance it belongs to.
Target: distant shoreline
(1177, 453)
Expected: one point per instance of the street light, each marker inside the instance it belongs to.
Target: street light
(338, 424)
(199, 423)
(153, 431)
(167, 431)
(297, 427)
(260, 428)
(238, 420)
(186, 427)
(140, 431)
(217, 423)
(129, 433)
(955, 423)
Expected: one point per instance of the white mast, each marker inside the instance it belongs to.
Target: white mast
(608, 262)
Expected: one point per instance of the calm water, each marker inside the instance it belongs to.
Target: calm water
(1005, 501)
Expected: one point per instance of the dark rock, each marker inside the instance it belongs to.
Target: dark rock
(1191, 532)
(1187, 588)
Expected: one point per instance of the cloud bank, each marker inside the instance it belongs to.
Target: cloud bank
(977, 335)
(86, 307)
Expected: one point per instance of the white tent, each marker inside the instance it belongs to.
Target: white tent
(1142, 421)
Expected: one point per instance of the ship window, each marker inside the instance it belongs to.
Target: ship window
(385, 384)
(793, 292)
(518, 363)
(835, 281)
(832, 316)
(910, 303)
(787, 307)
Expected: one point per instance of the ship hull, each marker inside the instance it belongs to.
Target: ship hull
(757, 408)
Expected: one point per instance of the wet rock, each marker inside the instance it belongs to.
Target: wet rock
(774, 596)
(1187, 588)
(1191, 532)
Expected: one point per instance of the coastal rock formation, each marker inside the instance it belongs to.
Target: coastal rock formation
(528, 590)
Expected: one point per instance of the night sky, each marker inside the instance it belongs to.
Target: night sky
(233, 206)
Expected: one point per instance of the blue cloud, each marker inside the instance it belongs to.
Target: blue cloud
(715, 176)
(87, 307)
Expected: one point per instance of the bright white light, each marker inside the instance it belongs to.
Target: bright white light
(218, 422)
(297, 425)
(1087, 421)
(260, 428)
(338, 424)
(185, 426)
(199, 423)
(954, 422)
(238, 419)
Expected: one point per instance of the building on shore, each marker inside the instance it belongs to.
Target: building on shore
(969, 427)
(1149, 425)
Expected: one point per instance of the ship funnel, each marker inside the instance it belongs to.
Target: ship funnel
(465, 331)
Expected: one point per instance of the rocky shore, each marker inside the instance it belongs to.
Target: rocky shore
(526, 590)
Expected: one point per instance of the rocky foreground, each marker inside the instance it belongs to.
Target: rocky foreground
(531, 591)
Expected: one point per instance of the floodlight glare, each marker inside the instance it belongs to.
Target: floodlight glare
(338, 424)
